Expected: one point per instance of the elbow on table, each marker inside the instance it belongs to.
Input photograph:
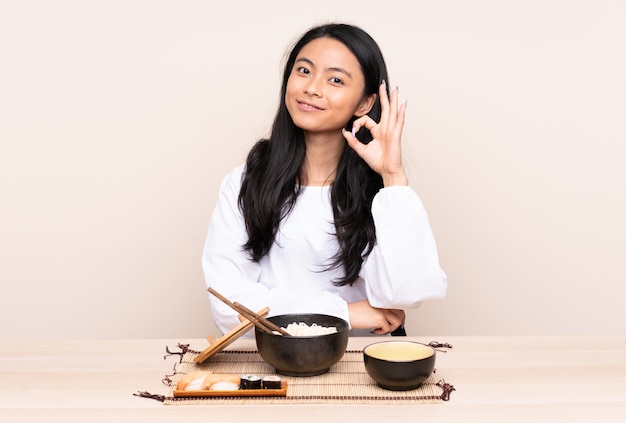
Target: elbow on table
(413, 293)
(436, 288)
(436, 293)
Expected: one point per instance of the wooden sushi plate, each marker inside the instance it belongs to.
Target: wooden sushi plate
(282, 392)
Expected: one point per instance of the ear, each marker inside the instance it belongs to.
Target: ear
(366, 105)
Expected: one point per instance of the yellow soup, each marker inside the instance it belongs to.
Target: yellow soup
(399, 351)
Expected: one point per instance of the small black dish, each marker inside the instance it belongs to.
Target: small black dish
(399, 365)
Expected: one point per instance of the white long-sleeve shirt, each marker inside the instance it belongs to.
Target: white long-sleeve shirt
(402, 270)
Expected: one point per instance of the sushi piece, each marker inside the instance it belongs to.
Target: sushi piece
(250, 382)
(272, 382)
(225, 385)
(205, 380)
(193, 381)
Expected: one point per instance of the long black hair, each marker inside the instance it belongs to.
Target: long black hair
(273, 173)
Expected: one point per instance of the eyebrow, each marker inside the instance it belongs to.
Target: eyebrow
(333, 68)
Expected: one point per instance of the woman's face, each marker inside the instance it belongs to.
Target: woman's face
(325, 87)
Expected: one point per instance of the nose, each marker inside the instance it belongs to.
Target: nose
(313, 88)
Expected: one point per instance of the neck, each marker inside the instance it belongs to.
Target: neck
(322, 158)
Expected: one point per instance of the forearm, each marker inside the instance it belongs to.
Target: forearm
(403, 269)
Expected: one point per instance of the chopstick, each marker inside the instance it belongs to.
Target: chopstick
(259, 321)
(247, 313)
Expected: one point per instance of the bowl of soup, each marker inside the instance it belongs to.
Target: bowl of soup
(316, 343)
(399, 365)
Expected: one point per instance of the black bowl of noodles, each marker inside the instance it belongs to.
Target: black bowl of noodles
(316, 344)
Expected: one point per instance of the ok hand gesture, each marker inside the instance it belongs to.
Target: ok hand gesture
(384, 153)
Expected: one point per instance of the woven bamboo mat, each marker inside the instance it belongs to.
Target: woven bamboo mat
(346, 383)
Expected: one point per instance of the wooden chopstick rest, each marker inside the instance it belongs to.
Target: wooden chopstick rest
(217, 345)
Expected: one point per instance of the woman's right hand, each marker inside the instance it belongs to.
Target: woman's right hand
(380, 320)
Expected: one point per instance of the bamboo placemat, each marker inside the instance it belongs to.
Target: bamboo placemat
(346, 383)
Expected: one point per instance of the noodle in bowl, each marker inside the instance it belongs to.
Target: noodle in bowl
(315, 344)
(302, 329)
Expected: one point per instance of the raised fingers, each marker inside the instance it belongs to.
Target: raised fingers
(384, 98)
(391, 118)
(389, 106)
(399, 120)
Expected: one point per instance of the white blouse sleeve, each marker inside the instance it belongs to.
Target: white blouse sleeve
(229, 270)
(403, 268)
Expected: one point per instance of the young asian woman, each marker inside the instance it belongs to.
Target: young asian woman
(321, 217)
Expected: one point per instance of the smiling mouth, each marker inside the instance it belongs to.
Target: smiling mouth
(310, 106)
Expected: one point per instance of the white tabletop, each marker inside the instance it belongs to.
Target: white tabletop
(500, 379)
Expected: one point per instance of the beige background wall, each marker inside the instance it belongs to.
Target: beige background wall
(118, 120)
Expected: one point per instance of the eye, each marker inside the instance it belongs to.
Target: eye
(336, 80)
(303, 70)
